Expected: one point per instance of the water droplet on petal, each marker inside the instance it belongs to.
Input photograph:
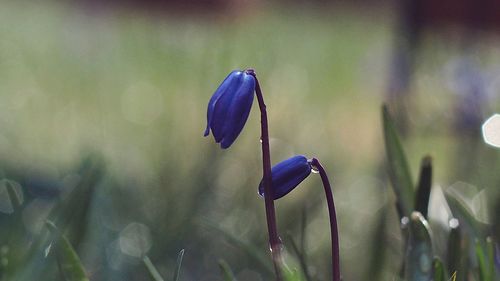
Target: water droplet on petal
(314, 170)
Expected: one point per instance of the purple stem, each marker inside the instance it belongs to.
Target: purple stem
(274, 241)
(333, 220)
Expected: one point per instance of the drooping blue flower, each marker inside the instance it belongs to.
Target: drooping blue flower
(229, 107)
(287, 174)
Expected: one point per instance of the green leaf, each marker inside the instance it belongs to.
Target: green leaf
(399, 171)
(226, 271)
(75, 206)
(17, 241)
(69, 263)
(439, 272)
(490, 255)
(474, 228)
(69, 214)
(291, 274)
(481, 260)
(485, 260)
(153, 272)
(460, 210)
(300, 256)
(453, 276)
(419, 253)
(179, 264)
(424, 186)
(379, 248)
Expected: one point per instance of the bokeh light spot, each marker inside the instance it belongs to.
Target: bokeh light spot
(491, 130)
(135, 240)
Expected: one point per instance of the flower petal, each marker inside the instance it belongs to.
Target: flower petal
(223, 87)
(223, 103)
(239, 110)
(286, 175)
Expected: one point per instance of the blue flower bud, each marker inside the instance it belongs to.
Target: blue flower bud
(229, 107)
(287, 174)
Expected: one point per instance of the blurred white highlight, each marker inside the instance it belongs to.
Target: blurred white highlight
(491, 130)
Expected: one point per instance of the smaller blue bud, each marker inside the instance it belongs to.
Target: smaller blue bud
(287, 174)
(229, 107)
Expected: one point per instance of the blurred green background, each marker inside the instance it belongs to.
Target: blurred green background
(132, 86)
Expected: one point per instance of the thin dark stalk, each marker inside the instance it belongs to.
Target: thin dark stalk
(274, 241)
(333, 220)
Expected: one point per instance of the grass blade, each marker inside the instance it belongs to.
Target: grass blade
(303, 231)
(464, 214)
(453, 276)
(379, 249)
(68, 214)
(486, 260)
(490, 255)
(179, 264)
(69, 263)
(439, 272)
(419, 253)
(424, 186)
(481, 260)
(475, 230)
(292, 275)
(250, 250)
(226, 271)
(399, 171)
(13, 196)
(153, 272)
(300, 256)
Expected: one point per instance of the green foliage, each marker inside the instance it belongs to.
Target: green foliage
(178, 266)
(292, 275)
(300, 256)
(454, 255)
(252, 251)
(227, 273)
(125, 84)
(463, 226)
(438, 269)
(68, 262)
(14, 197)
(399, 171)
(424, 186)
(419, 256)
(486, 262)
(153, 272)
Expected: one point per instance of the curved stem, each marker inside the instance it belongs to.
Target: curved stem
(274, 241)
(333, 220)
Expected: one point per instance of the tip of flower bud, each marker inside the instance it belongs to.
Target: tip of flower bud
(229, 107)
